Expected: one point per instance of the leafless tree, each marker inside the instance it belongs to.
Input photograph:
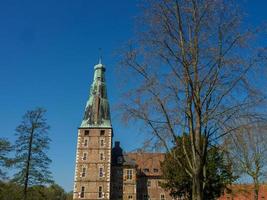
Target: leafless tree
(247, 150)
(190, 71)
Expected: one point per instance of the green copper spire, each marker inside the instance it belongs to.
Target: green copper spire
(97, 112)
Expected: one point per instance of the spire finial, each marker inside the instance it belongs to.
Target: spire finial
(100, 56)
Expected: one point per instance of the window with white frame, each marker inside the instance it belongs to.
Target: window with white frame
(129, 174)
(84, 156)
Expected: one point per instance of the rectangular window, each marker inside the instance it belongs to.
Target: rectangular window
(130, 197)
(102, 142)
(102, 132)
(85, 143)
(100, 191)
(149, 183)
(162, 197)
(101, 156)
(82, 192)
(101, 172)
(86, 133)
(84, 156)
(83, 171)
(129, 174)
(146, 197)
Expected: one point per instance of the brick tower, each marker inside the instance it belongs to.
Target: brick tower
(93, 156)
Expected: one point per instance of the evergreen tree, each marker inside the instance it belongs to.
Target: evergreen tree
(217, 175)
(31, 148)
(5, 148)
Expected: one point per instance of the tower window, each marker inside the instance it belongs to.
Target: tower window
(101, 156)
(82, 192)
(85, 142)
(86, 132)
(83, 171)
(146, 196)
(102, 142)
(162, 197)
(101, 172)
(129, 174)
(102, 132)
(84, 156)
(130, 197)
(100, 192)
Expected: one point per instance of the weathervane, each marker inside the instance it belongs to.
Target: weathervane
(100, 55)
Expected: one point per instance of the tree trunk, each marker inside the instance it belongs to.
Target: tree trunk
(197, 187)
(256, 189)
(28, 167)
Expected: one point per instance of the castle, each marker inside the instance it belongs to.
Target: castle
(103, 171)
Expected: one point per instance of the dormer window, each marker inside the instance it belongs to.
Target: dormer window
(146, 170)
(155, 170)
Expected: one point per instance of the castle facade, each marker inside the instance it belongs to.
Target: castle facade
(103, 171)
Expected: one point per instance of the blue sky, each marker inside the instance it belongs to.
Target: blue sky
(47, 53)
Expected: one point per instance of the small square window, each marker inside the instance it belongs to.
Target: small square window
(155, 170)
(86, 132)
(102, 132)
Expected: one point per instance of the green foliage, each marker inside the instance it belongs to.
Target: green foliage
(10, 191)
(13, 191)
(217, 175)
(5, 148)
(32, 143)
